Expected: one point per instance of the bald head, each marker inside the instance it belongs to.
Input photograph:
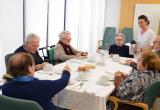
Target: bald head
(19, 64)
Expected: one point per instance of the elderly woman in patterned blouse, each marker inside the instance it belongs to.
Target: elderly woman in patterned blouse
(132, 87)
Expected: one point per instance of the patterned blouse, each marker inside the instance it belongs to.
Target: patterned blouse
(134, 85)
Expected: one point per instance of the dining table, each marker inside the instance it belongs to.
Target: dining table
(88, 89)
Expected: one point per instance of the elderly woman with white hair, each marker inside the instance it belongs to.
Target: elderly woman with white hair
(119, 48)
(64, 51)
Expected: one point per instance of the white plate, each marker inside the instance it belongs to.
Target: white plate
(81, 78)
(46, 72)
(103, 84)
(72, 82)
(100, 63)
(77, 61)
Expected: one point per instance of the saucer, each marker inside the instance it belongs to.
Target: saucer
(101, 63)
(103, 84)
(72, 82)
(81, 77)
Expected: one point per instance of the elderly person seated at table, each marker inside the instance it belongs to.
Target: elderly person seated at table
(156, 45)
(30, 46)
(25, 86)
(64, 51)
(119, 48)
(132, 87)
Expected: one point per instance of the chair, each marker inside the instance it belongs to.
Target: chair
(128, 32)
(7, 57)
(51, 56)
(9, 103)
(109, 37)
(44, 50)
(49, 53)
(151, 93)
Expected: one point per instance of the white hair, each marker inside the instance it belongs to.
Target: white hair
(62, 35)
(30, 37)
(120, 34)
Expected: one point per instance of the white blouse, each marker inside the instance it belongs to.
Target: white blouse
(146, 39)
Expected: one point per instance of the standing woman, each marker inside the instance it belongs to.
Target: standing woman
(145, 37)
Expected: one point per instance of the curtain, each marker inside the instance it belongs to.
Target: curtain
(56, 20)
(1, 59)
(112, 13)
(85, 20)
(36, 19)
(11, 28)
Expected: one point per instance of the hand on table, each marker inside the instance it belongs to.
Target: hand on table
(39, 66)
(67, 68)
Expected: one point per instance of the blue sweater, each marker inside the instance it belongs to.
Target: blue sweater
(122, 51)
(40, 91)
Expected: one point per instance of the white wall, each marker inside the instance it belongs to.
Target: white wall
(11, 28)
(152, 11)
(112, 14)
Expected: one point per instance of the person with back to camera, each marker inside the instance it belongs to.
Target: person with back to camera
(25, 86)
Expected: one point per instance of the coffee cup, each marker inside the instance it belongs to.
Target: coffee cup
(103, 80)
(92, 59)
(116, 57)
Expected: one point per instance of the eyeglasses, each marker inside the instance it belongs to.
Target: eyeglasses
(68, 39)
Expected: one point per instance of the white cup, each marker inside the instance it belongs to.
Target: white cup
(92, 59)
(103, 80)
(116, 57)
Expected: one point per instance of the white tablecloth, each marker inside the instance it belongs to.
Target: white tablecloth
(90, 96)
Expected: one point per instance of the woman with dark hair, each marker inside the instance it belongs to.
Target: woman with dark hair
(145, 37)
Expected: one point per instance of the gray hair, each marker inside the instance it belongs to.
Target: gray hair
(62, 34)
(120, 34)
(30, 37)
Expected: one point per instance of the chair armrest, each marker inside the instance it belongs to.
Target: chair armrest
(116, 100)
(138, 104)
